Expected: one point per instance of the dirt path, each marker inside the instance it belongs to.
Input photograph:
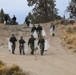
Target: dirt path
(56, 61)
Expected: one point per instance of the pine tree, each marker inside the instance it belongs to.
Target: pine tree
(44, 10)
(1, 16)
(72, 9)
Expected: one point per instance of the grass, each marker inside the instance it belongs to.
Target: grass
(68, 35)
(13, 70)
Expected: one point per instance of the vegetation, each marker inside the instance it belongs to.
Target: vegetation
(13, 70)
(2, 18)
(44, 11)
(72, 9)
(68, 35)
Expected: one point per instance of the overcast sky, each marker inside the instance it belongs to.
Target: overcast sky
(20, 9)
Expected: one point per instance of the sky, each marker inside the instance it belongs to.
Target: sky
(20, 9)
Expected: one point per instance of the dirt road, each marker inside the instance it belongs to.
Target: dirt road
(56, 61)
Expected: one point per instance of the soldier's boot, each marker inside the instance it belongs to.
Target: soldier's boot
(32, 52)
(20, 52)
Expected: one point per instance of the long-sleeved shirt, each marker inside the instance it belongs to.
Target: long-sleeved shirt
(31, 40)
(41, 41)
(13, 39)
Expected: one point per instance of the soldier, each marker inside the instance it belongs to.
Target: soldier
(39, 30)
(33, 29)
(14, 19)
(52, 28)
(13, 41)
(41, 42)
(31, 42)
(6, 18)
(27, 21)
(21, 45)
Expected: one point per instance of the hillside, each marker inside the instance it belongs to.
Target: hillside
(68, 35)
(56, 61)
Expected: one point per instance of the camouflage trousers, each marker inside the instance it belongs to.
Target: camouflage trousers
(39, 34)
(13, 47)
(21, 49)
(42, 48)
(32, 48)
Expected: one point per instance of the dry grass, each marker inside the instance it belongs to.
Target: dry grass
(68, 35)
(13, 70)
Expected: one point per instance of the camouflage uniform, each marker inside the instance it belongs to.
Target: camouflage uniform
(21, 46)
(33, 29)
(39, 29)
(13, 40)
(31, 42)
(14, 19)
(53, 26)
(41, 42)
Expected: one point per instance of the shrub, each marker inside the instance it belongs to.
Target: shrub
(13, 70)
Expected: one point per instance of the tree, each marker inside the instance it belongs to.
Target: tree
(1, 16)
(44, 10)
(30, 16)
(72, 9)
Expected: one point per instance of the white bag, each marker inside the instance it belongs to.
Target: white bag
(35, 34)
(46, 45)
(9, 46)
(26, 49)
(30, 25)
(4, 22)
(35, 43)
(43, 33)
(51, 31)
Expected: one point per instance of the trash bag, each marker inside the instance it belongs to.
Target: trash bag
(9, 46)
(30, 25)
(4, 22)
(35, 34)
(26, 49)
(51, 31)
(43, 33)
(46, 45)
(35, 45)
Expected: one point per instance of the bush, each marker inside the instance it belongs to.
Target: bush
(71, 22)
(14, 67)
(1, 64)
(13, 70)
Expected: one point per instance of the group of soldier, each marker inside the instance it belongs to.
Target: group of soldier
(13, 19)
(31, 41)
(41, 39)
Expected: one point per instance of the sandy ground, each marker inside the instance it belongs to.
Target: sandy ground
(56, 61)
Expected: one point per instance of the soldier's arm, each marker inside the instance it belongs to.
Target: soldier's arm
(29, 42)
(41, 28)
(38, 42)
(15, 39)
(24, 42)
(10, 40)
(44, 40)
(32, 30)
